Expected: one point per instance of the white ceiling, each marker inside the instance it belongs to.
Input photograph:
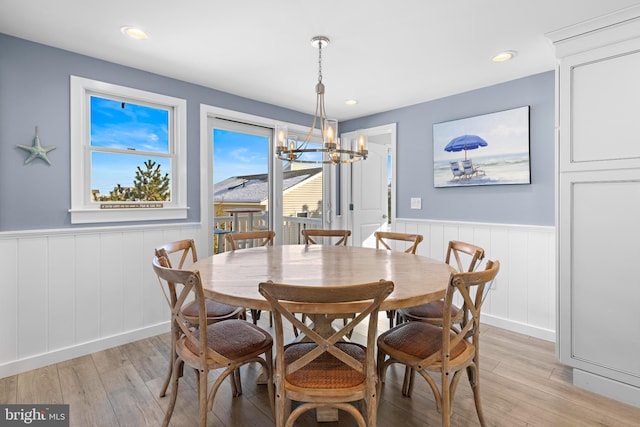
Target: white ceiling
(384, 54)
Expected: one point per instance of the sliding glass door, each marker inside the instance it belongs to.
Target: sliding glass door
(254, 191)
(242, 181)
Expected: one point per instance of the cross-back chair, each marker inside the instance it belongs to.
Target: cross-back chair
(425, 348)
(207, 346)
(325, 369)
(184, 252)
(382, 238)
(257, 239)
(432, 312)
(311, 236)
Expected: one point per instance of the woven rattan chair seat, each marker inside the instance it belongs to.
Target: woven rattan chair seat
(418, 339)
(214, 309)
(325, 372)
(431, 310)
(233, 339)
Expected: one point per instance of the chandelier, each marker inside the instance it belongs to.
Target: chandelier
(332, 151)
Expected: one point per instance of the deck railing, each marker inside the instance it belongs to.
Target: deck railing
(291, 229)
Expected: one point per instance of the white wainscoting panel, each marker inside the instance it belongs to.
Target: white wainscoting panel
(71, 292)
(523, 296)
(66, 293)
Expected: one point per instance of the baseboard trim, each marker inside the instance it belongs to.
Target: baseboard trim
(607, 387)
(521, 328)
(38, 361)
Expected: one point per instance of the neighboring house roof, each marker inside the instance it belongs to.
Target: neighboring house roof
(255, 188)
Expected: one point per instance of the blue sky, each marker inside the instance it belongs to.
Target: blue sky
(238, 154)
(130, 127)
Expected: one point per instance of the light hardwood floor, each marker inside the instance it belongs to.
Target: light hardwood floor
(522, 384)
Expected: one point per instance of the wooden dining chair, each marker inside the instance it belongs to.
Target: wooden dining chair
(432, 312)
(258, 239)
(206, 347)
(382, 238)
(311, 236)
(183, 251)
(325, 369)
(425, 348)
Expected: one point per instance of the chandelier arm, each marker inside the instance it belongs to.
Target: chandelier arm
(332, 152)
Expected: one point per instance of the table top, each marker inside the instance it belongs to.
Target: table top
(233, 277)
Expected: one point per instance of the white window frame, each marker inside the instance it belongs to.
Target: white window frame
(83, 209)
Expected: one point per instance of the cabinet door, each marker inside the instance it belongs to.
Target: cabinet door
(600, 108)
(599, 292)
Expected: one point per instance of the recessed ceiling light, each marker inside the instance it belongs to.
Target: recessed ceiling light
(351, 101)
(504, 56)
(134, 32)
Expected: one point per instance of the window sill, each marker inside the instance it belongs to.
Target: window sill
(87, 216)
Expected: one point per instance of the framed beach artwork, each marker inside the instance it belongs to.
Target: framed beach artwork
(490, 149)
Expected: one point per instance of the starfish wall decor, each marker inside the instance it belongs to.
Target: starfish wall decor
(37, 150)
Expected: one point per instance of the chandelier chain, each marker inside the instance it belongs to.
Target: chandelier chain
(320, 62)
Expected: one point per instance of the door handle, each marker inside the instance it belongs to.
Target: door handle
(384, 216)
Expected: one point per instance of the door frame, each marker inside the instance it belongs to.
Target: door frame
(383, 134)
(206, 167)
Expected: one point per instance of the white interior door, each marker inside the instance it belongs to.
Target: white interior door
(370, 187)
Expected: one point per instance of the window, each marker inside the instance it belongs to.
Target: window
(128, 154)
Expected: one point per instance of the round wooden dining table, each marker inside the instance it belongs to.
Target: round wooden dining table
(233, 277)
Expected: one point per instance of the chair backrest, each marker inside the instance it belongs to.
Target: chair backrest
(381, 236)
(259, 238)
(310, 233)
(181, 287)
(455, 169)
(321, 299)
(178, 287)
(456, 248)
(470, 287)
(179, 250)
(467, 165)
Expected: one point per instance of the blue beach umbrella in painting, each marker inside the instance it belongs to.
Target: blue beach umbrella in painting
(465, 142)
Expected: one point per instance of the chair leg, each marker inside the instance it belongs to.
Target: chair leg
(174, 392)
(372, 406)
(172, 361)
(237, 383)
(380, 366)
(270, 385)
(255, 316)
(202, 397)
(474, 379)
(280, 407)
(446, 400)
(406, 381)
(390, 315)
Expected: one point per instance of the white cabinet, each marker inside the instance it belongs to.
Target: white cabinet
(598, 92)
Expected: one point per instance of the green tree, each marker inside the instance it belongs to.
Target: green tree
(118, 194)
(150, 185)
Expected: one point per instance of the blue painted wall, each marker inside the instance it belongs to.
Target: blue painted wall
(34, 91)
(532, 204)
